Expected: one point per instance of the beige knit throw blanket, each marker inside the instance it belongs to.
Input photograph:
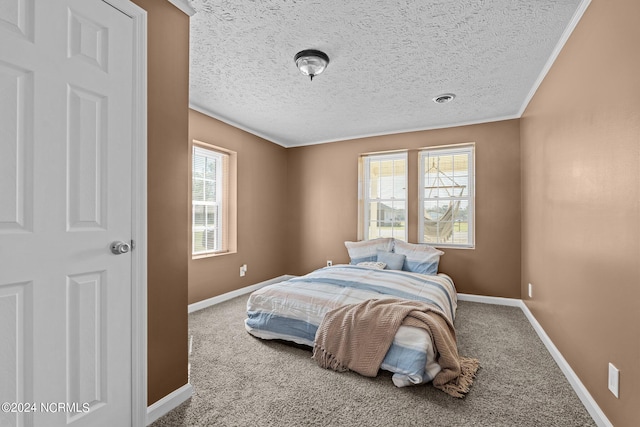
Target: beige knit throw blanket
(357, 337)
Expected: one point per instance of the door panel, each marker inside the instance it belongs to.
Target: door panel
(16, 312)
(86, 339)
(17, 16)
(86, 160)
(16, 163)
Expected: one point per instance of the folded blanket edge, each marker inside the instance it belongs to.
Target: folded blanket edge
(327, 360)
(460, 386)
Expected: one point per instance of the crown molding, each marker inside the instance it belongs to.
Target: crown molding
(184, 5)
(554, 55)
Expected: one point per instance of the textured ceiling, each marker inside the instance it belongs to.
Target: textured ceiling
(388, 59)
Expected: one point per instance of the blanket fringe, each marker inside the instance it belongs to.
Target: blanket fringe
(460, 386)
(327, 360)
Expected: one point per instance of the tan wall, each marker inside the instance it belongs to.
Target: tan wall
(168, 121)
(580, 141)
(323, 204)
(262, 209)
(580, 218)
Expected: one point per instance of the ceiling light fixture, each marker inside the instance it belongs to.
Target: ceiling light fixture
(444, 98)
(311, 62)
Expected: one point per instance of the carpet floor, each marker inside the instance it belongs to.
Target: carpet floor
(239, 380)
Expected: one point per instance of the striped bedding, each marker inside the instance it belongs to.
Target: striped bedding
(292, 310)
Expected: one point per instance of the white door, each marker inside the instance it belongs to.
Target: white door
(66, 108)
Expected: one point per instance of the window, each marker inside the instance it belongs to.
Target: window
(383, 196)
(446, 215)
(209, 197)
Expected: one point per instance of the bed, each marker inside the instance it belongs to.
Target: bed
(293, 309)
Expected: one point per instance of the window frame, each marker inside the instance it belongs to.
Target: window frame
(221, 228)
(364, 193)
(469, 150)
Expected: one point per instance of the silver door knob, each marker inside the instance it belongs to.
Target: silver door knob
(120, 248)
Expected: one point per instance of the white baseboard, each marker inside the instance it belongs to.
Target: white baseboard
(169, 402)
(512, 302)
(587, 400)
(229, 295)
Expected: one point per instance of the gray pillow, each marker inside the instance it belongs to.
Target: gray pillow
(394, 261)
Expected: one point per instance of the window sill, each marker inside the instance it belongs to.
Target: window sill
(212, 255)
(451, 246)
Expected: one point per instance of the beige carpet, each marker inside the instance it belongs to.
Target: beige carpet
(239, 380)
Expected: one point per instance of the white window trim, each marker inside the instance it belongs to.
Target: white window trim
(365, 190)
(221, 158)
(468, 148)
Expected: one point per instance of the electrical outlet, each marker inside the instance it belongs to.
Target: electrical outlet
(614, 380)
(530, 290)
(243, 270)
(329, 263)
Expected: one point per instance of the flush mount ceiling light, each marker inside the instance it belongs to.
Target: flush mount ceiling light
(444, 98)
(311, 62)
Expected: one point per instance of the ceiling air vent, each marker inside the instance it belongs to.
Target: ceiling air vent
(444, 98)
